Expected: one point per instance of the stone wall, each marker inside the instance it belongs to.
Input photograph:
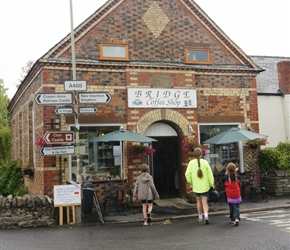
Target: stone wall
(278, 185)
(26, 212)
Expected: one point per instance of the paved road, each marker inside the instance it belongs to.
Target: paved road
(256, 231)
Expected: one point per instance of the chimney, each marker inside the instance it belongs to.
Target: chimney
(283, 68)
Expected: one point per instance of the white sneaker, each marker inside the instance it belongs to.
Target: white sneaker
(237, 222)
(145, 223)
(206, 221)
(199, 219)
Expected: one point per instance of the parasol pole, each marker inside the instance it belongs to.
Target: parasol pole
(122, 165)
(242, 167)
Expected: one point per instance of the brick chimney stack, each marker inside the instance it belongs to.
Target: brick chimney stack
(284, 76)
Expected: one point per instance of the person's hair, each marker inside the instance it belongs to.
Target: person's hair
(144, 168)
(231, 168)
(198, 153)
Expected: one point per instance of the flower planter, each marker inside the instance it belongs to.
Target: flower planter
(253, 146)
(281, 173)
(191, 198)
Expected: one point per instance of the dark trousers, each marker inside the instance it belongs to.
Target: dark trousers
(234, 211)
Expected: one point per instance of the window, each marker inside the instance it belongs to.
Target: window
(98, 160)
(114, 51)
(197, 55)
(219, 154)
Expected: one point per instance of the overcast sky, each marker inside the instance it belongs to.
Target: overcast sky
(30, 28)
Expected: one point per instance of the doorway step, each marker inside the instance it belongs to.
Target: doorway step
(175, 202)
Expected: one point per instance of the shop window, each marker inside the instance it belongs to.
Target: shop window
(114, 51)
(98, 160)
(219, 155)
(197, 55)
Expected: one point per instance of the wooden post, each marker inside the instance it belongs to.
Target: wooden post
(61, 215)
(67, 215)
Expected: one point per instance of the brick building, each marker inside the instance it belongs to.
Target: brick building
(172, 74)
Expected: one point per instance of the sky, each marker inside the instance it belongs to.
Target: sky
(30, 28)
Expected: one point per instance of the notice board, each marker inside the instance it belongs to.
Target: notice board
(67, 195)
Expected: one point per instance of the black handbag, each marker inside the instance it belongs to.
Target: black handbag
(214, 195)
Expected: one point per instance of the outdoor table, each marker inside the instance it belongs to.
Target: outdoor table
(247, 179)
(123, 190)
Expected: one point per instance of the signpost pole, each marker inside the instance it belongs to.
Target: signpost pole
(79, 177)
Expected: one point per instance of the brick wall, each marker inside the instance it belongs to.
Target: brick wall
(157, 59)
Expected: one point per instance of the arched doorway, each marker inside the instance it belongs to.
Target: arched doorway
(166, 160)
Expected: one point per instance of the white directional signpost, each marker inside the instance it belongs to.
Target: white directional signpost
(62, 150)
(62, 111)
(70, 100)
(59, 137)
(87, 110)
(94, 97)
(53, 99)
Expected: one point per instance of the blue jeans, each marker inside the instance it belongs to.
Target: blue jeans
(234, 211)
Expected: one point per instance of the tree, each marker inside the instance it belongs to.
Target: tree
(24, 71)
(4, 124)
(11, 180)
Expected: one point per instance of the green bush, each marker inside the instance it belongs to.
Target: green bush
(11, 181)
(277, 158)
(284, 162)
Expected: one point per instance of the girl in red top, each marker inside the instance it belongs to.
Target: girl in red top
(232, 185)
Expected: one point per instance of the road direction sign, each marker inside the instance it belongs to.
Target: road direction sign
(87, 110)
(53, 99)
(75, 85)
(58, 137)
(60, 111)
(94, 97)
(64, 150)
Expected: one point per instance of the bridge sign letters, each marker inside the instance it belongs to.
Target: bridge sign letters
(161, 98)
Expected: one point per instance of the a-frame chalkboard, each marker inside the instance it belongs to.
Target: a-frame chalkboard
(98, 208)
(97, 204)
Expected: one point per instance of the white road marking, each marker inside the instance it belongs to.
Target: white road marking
(282, 221)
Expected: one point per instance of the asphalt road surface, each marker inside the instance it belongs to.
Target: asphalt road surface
(267, 230)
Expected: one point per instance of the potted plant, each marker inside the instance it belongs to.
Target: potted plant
(253, 144)
(191, 197)
(142, 150)
(40, 142)
(189, 146)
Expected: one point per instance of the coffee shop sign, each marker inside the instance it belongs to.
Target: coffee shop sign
(161, 98)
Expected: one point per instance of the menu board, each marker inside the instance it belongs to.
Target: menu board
(66, 195)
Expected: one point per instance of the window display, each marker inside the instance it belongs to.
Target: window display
(98, 160)
(220, 154)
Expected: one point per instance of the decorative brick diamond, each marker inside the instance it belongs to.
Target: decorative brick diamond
(155, 19)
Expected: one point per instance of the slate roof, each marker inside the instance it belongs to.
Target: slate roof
(267, 81)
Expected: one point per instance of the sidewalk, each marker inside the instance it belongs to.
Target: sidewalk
(179, 208)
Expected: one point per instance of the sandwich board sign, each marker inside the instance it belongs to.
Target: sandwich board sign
(67, 195)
